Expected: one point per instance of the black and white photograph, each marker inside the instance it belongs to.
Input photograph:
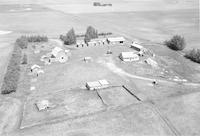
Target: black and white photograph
(99, 68)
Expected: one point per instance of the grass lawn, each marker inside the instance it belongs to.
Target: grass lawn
(183, 112)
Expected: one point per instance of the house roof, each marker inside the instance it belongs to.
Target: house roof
(93, 84)
(43, 104)
(80, 42)
(98, 40)
(35, 66)
(116, 39)
(128, 54)
(92, 42)
(151, 62)
(40, 71)
(103, 82)
(135, 44)
(56, 50)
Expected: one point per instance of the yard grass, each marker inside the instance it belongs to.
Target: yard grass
(180, 110)
(69, 104)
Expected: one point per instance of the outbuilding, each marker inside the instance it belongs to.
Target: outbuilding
(151, 62)
(137, 47)
(93, 85)
(92, 43)
(80, 43)
(104, 83)
(43, 105)
(116, 40)
(35, 68)
(87, 59)
(59, 54)
(99, 41)
(97, 84)
(128, 56)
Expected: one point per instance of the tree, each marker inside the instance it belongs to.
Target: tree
(22, 42)
(91, 33)
(176, 43)
(194, 55)
(70, 37)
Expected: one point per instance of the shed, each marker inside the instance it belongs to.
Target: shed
(87, 59)
(80, 43)
(35, 68)
(136, 46)
(93, 85)
(97, 84)
(151, 62)
(116, 40)
(92, 43)
(104, 83)
(129, 56)
(99, 41)
(42, 105)
(59, 54)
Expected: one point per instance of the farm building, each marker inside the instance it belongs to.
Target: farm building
(87, 59)
(35, 68)
(97, 84)
(59, 54)
(99, 41)
(80, 43)
(104, 83)
(129, 56)
(43, 105)
(138, 47)
(116, 40)
(92, 43)
(151, 62)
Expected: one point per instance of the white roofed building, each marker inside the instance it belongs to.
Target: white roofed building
(116, 40)
(43, 105)
(97, 84)
(137, 46)
(129, 56)
(59, 54)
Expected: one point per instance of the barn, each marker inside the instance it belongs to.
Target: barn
(128, 56)
(116, 40)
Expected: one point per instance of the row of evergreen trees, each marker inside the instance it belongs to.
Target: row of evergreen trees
(23, 41)
(70, 37)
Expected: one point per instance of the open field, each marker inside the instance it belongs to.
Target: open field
(183, 112)
(131, 120)
(68, 103)
(151, 22)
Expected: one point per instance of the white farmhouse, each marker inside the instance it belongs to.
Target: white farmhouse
(59, 54)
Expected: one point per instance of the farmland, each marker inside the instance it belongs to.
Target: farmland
(142, 109)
